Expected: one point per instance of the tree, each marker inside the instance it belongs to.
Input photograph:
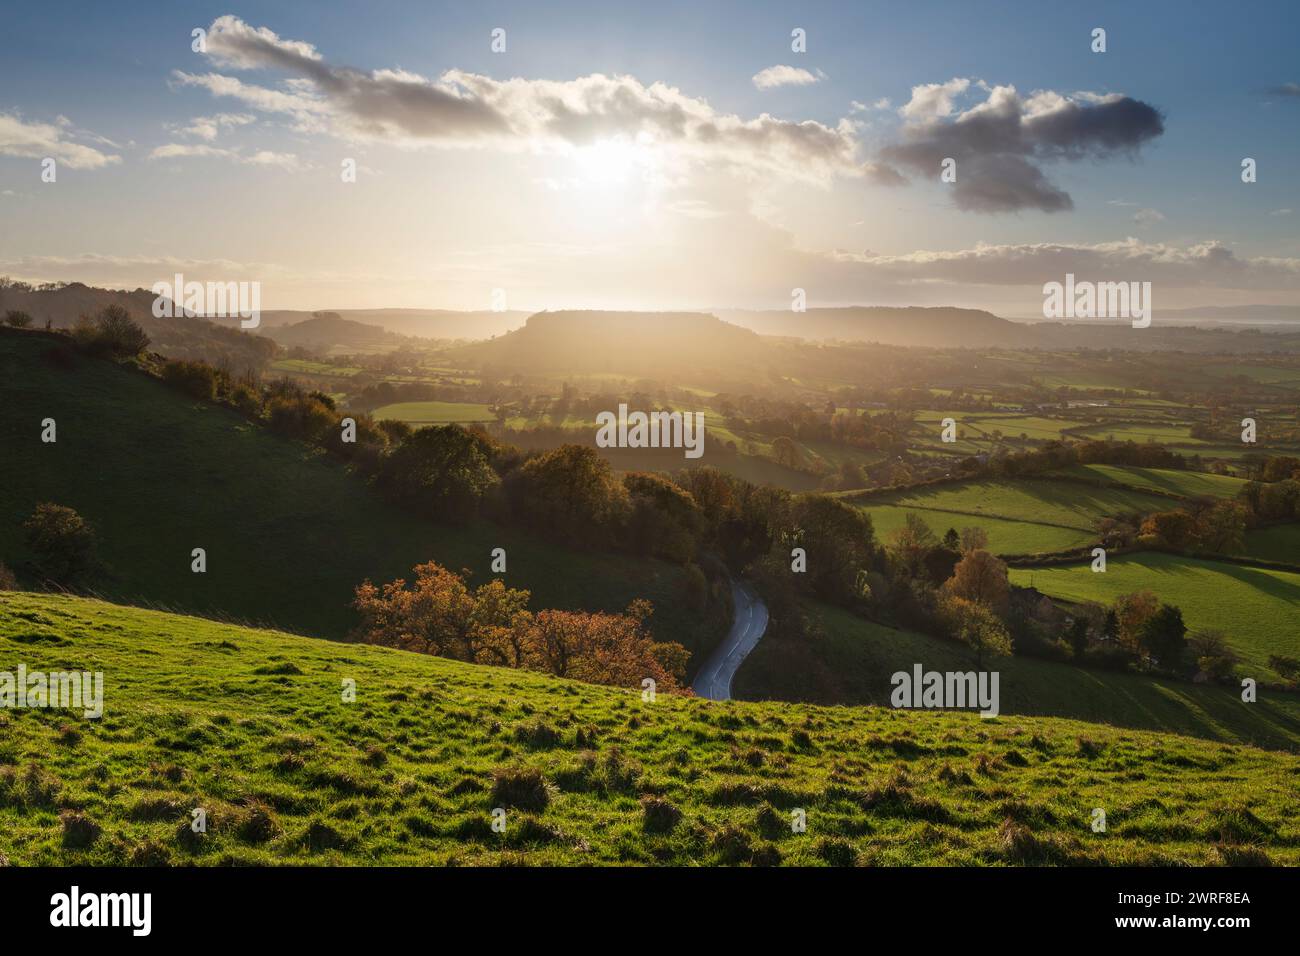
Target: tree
(1210, 650)
(17, 319)
(570, 493)
(1221, 528)
(442, 471)
(664, 519)
(976, 626)
(1077, 637)
(982, 578)
(974, 539)
(1162, 636)
(839, 541)
(912, 541)
(952, 540)
(1131, 612)
(62, 542)
(112, 331)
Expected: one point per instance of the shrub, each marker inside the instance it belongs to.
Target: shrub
(17, 319)
(7, 580)
(79, 831)
(198, 379)
(62, 542)
(113, 331)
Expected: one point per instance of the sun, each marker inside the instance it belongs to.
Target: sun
(613, 162)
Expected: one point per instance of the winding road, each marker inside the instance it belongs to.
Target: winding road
(747, 627)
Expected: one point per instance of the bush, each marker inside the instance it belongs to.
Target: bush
(113, 331)
(198, 379)
(61, 541)
(17, 319)
(7, 580)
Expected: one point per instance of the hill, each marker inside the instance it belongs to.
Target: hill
(938, 327)
(184, 336)
(289, 532)
(649, 343)
(327, 331)
(419, 323)
(251, 726)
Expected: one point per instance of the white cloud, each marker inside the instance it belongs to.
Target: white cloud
(207, 127)
(54, 140)
(265, 157)
(1148, 217)
(781, 75)
(461, 109)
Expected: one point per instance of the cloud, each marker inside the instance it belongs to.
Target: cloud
(207, 127)
(1001, 142)
(1286, 89)
(780, 75)
(264, 157)
(1280, 212)
(1209, 263)
(1148, 217)
(461, 109)
(41, 140)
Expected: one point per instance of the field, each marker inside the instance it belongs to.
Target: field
(435, 413)
(1185, 484)
(1006, 536)
(288, 532)
(1029, 516)
(857, 657)
(251, 727)
(1254, 607)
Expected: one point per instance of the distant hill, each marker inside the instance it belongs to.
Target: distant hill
(624, 342)
(420, 323)
(327, 331)
(189, 337)
(937, 327)
(949, 327)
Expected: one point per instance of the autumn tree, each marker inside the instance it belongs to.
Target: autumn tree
(974, 625)
(1131, 612)
(982, 578)
(974, 539)
(61, 541)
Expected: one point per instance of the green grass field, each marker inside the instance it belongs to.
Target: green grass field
(857, 657)
(1257, 608)
(251, 727)
(1186, 484)
(435, 413)
(1065, 504)
(1005, 536)
(288, 532)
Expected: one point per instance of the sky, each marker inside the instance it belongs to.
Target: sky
(655, 156)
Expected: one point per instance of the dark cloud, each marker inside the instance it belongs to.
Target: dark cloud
(1000, 143)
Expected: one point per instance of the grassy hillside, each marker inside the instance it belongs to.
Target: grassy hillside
(288, 532)
(856, 658)
(1030, 516)
(1278, 543)
(1255, 607)
(250, 726)
(1185, 484)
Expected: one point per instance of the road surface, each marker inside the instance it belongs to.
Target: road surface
(747, 627)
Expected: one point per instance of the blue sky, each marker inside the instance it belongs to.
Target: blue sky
(442, 220)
